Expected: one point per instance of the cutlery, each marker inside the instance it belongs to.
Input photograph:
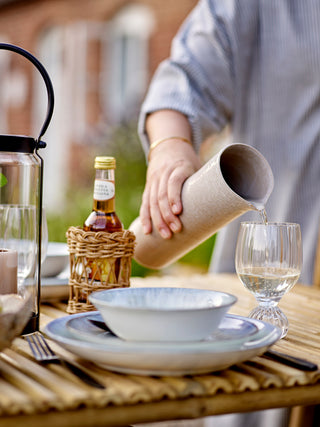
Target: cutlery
(44, 354)
(102, 325)
(295, 362)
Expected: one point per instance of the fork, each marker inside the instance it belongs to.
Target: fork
(44, 354)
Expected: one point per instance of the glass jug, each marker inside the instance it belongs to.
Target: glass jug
(21, 181)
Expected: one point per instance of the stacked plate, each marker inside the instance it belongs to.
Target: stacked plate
(55, 272)
(237, 339)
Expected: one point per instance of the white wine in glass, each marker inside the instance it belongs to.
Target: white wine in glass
(268, 263)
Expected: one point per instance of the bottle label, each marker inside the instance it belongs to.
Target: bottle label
(103, 189)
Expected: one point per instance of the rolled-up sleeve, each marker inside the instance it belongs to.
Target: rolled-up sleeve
(197, 79)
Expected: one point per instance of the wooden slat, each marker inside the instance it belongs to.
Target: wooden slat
(34, 391)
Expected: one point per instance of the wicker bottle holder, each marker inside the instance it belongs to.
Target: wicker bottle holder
(98, 261)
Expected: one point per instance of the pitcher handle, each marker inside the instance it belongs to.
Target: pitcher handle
(47, 81)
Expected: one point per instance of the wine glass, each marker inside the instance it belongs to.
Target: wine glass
(268, 263)
(18, 232)
(44, 236)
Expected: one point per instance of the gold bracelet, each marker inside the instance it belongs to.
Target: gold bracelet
(159, 141)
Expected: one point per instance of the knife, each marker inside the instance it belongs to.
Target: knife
(102, 325)
(43, 353)
(80, 373)
(294, 362)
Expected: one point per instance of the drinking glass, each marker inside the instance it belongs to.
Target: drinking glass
(44, 236)
(18, 232)
(268, 263)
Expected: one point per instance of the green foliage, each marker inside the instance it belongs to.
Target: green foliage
(125, 146)
(3, 180)
(201, 255)
(130, 172)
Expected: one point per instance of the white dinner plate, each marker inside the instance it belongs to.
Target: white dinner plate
(232, 330)
(238, 339)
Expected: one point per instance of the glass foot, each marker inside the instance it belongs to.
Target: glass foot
(272, 315)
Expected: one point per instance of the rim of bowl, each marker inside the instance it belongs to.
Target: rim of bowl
(273, 223)
(232, 299)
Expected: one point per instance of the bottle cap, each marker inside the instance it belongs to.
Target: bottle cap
(102, 162)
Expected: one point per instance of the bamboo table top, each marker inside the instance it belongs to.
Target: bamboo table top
(37, 395)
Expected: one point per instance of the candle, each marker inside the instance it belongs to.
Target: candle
(8, 271)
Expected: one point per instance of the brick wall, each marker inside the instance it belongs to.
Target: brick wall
(21, 22)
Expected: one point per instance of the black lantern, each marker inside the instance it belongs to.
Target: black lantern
(21, 183)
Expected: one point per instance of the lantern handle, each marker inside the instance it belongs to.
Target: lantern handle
(47, 81)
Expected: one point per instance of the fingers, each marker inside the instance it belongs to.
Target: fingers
(145, 212)
(174, 188)
(155, 210)
(160, 210)
(169, 221)
(161, 203)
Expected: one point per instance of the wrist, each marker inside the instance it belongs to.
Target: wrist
(157, 142)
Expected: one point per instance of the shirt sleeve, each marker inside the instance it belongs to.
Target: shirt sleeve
(197, 79)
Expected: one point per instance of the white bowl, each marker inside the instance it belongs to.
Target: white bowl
(56, 260)
(162, 314)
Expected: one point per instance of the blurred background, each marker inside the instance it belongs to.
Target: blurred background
(100, 55)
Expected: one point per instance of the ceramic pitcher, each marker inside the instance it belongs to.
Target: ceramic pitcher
(237, 179)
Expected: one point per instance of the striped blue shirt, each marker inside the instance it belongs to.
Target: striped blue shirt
(255, 65)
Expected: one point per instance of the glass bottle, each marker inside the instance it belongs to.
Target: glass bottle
(103, 216)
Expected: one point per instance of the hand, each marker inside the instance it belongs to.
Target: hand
(170, 164)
